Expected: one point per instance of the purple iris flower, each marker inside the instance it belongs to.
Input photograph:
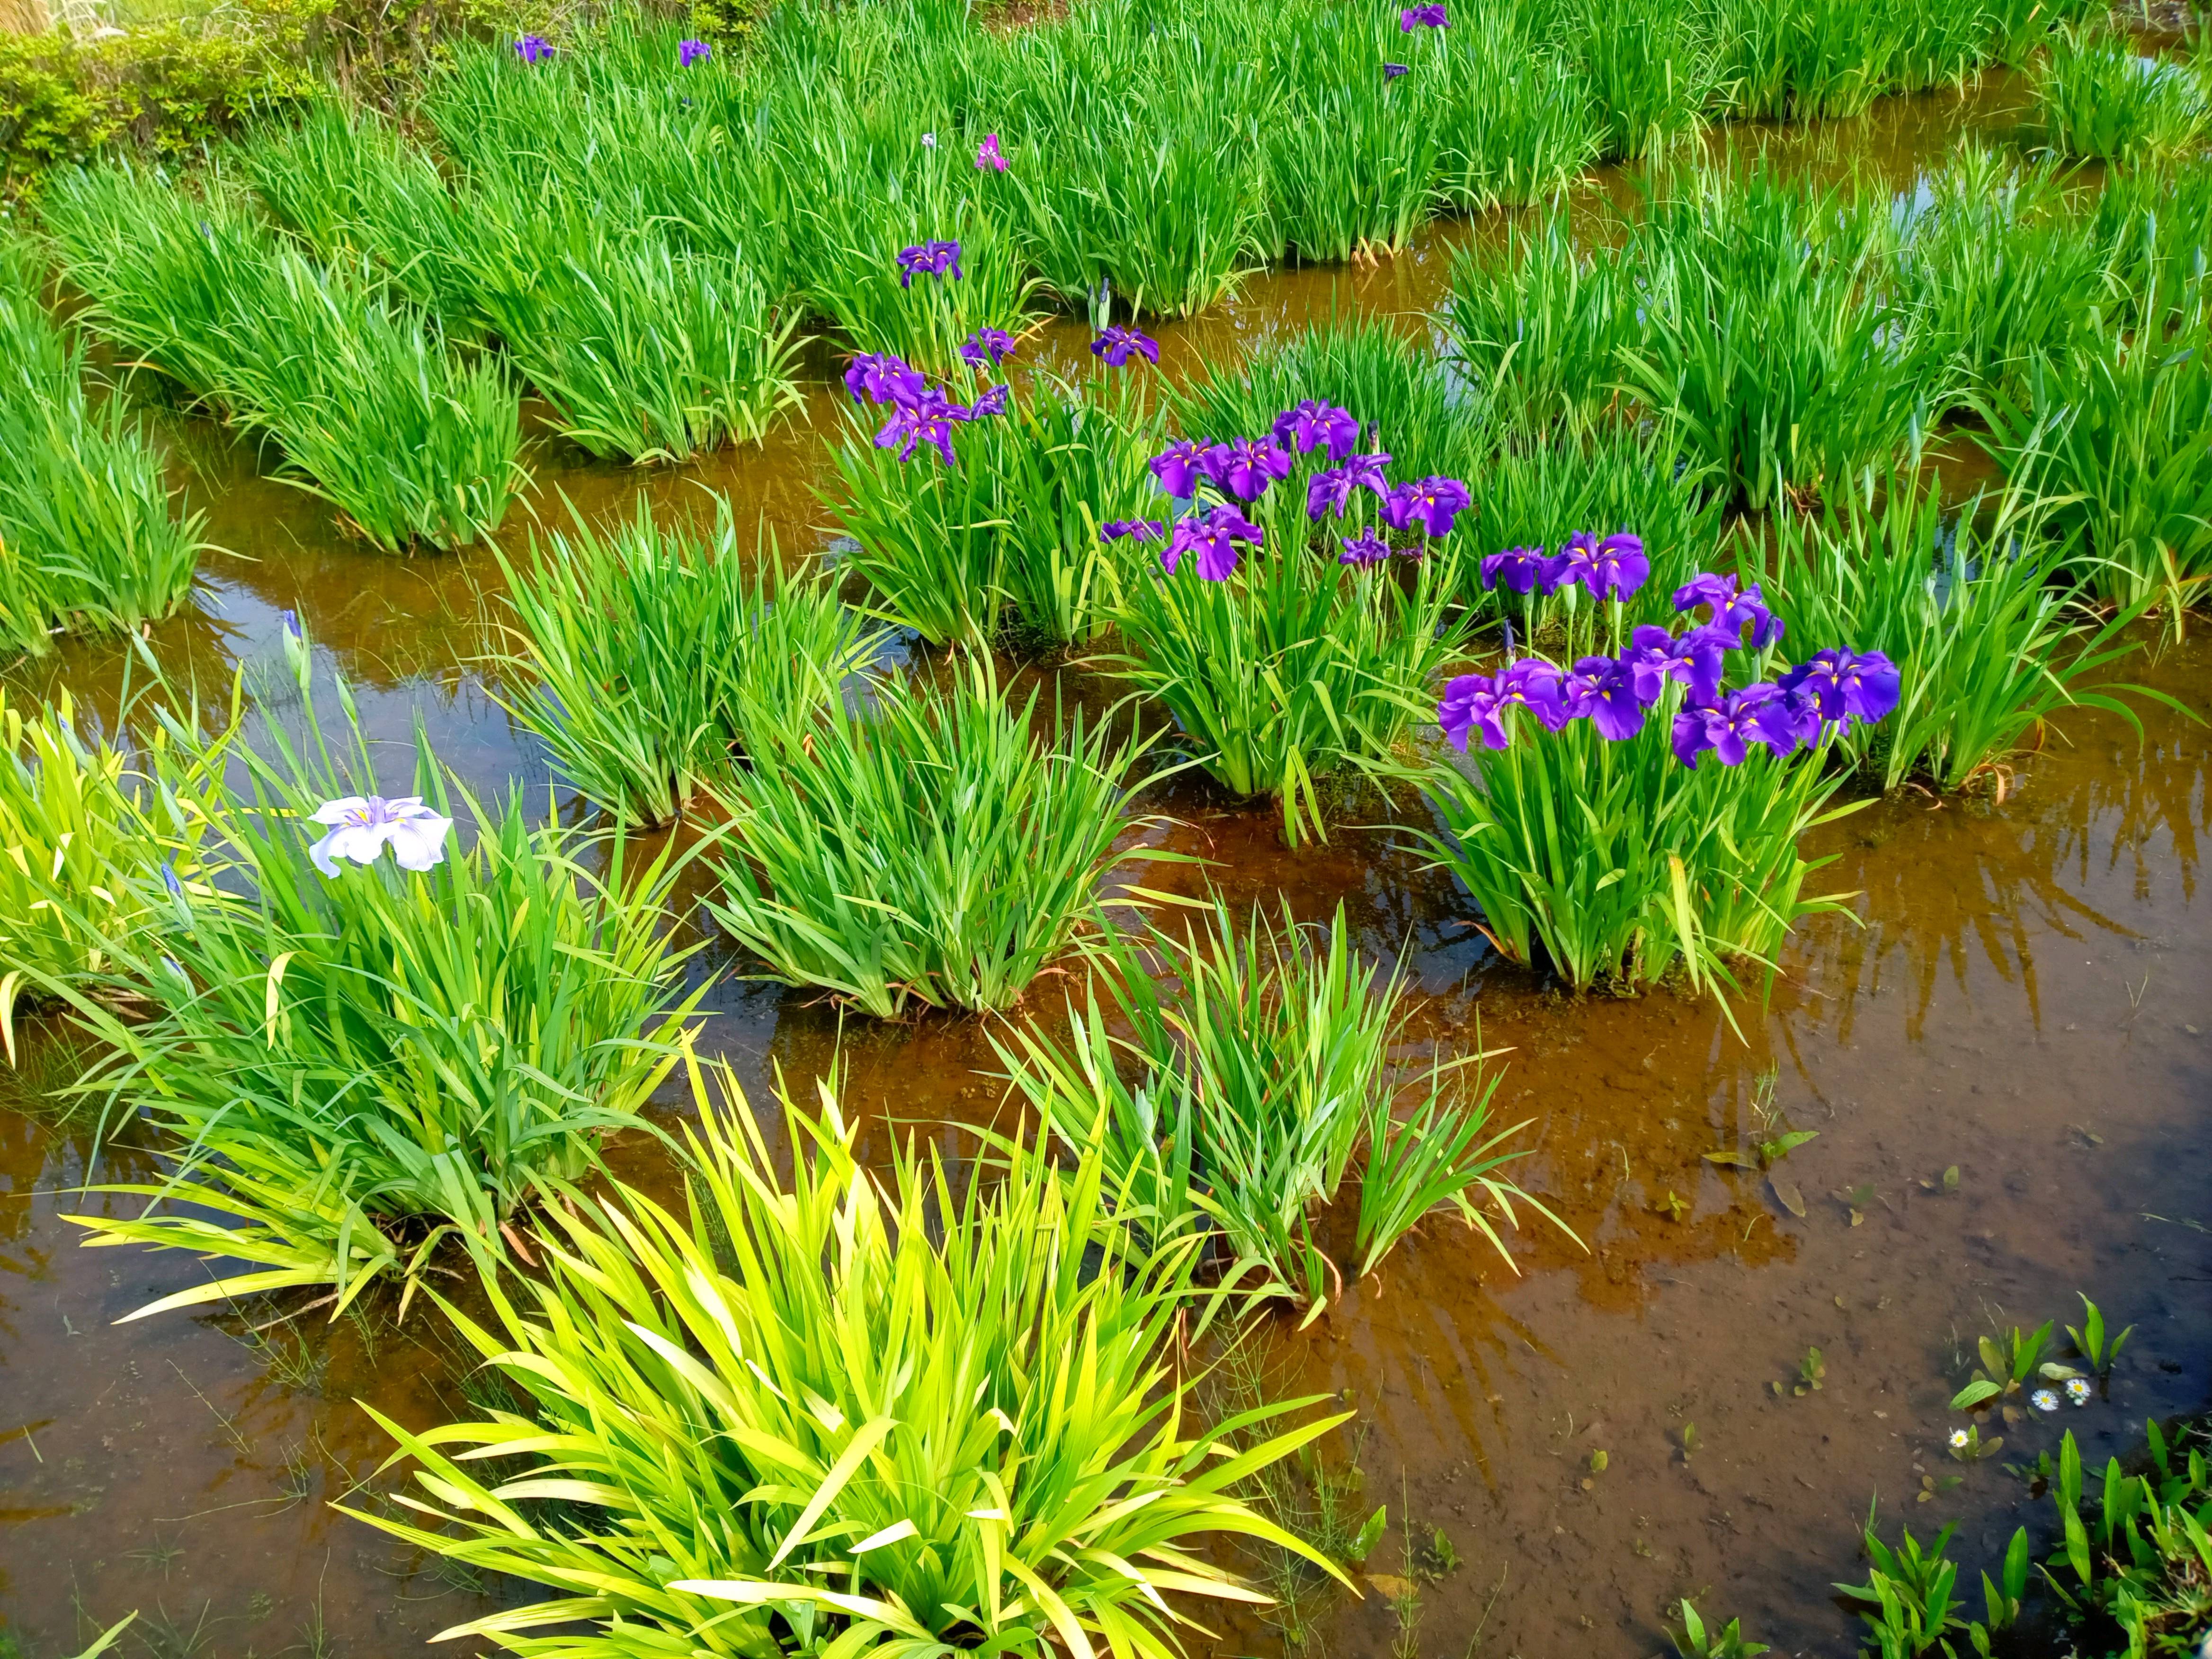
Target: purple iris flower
(929, 260)
(1246, 467)
(1782, 720)
(878, 377)
(1144, 529)
(1214, 540)
(1729, 727)
(1392, 71)
(291, 622)
(689, 52)
(1841, 685)
(1432, 504)
(1732, 612)
(1117, 344)
(1532, 684)
(987, 348)
(1313, 423)
(1366, 548)
(1523, 569)
(927, 419)
(1471, 700)
(1176, 468)
(1331, 489)
(1422, 17)
(1654, 656)
(1602, 689)
(532, 48)
(992, 401)
(1612, 569)
(987, 154)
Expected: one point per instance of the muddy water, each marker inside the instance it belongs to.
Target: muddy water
(2022, 995)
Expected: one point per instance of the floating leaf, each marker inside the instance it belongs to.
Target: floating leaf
(1734, 1158)
(1785, 1142)
(1976, 1392)
(1951, 1179)
(2052, 1372)
(1391, 1585)
(1674, 1206)
(1786, 1193)
(1597, 1462)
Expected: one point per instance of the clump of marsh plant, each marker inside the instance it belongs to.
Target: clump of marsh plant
(889, 1414)
(1988, 636)
(643, 655)
(358, 1057)
(89, 535)
(925, 846)
(2100, 100)
(1688, 795)
(410, 442)
(1253, 1095)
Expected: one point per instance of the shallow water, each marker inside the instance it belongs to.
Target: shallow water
(2022, 995)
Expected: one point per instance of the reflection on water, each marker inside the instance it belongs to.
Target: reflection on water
(2020, 995)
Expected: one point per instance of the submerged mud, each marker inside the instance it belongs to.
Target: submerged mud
(2019, 994)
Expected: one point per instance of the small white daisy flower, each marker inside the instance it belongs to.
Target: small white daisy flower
(2044, 1400)
(2077, 1390)
(1959, 1439)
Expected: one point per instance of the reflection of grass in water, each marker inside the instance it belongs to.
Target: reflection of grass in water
(39, 1085)
(1307, 1498)
(164, 1637)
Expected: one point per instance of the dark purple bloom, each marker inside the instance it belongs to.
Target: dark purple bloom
(1116, 344)
(929, 260)
(1612, 569)
(1176, 468)
(1523, 569)
(1731, 611)
(1422, 17)
(1144, 529)
(1312, 424)
(176, 889)
(987, 348)
(1654, 656)
(1246, 467)
(1214, 540)
(987, 154)
(927, 419)
(1602, 689)
(1840, 685)
(290, 619)
(1470, 700)
(532, 48)
(1729, 727)
(1366, 548)
(1392, 71)
(992, 401)
(1533, 684)
(689, 52)
(1432, 504)
(880, 378)
(1781, 719)
(1330, 490)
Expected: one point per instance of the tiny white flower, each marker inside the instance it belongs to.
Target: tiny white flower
(2044, 1400)
(929, 141)
(2077, 1390)
(1960, 1439)
(360, 827)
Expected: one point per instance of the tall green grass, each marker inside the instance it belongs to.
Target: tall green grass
(643, 659)
(929, 848)
(83, 825)
(1971, 605)
(1537, 324)
(89, 537)
(1999, 266)
(410, 443)
(355, 1068)
(1002, 546)
(1352, 158)
(1769, 337)
(1518, 122)
(1653, 68)
(1293, 668)
(1254, 1094)
(913, 1415)
(2120, 430)
(2100, 100)
(646, 352)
